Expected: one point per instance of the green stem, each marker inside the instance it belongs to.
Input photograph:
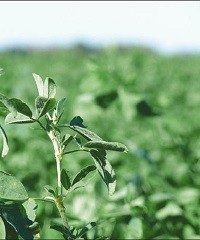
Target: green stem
(58, 151)
(61, 209)
(58, 155)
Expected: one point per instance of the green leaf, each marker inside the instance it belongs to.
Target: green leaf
(49, 88)
(44, 105)
(9, 105)
(39, 104)
(50, 190)
(11, 189)
(87, 134)
(19, 119)
(3, 110)
(78, 141)
(134, 229)
(86, 228)
(113, 146)
(65, 180)
(65, 231)
(20, 107)
(5, 142)
(83, 173)
(39, 83)
(49, 105)
(170, 210)
(15, 105)
(104, 168)
(2, 229)
(67, 139)
(16, 216)
(77, 121)
(30, 207)
(10, 231)
(60, 108)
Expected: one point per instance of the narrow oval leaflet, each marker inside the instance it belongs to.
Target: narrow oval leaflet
(19, 119)
(65, 180)
(83, 173)
(87, 134)
(39, 84)
(113, 146)
(11, 189)
(20, 106)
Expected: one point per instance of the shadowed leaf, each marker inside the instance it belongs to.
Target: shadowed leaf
(20, 106)
(77, 121)
(65, 180)
(83, 173)
(5, 142)
(49, 88)
(16, 216)
(86, 228)
(104, 168)
(113, 146)
(65, 231)
(44, 105)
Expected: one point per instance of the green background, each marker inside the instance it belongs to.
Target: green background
(148, 101)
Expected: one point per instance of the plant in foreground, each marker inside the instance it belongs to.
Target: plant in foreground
(17, 210)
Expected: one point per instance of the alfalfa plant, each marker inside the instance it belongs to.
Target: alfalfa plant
(17, 210)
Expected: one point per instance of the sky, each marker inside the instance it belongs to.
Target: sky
(168, 26)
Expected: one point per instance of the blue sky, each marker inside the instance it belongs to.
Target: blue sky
(168, 26)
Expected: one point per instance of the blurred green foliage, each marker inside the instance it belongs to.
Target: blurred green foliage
(149, 102)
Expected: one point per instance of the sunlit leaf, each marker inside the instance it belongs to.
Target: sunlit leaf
(170, 210)
(11, 189)
(87, 134)
(2, 229)
(134, 229)
(30, 206)
(19, 119)
(39, 83)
